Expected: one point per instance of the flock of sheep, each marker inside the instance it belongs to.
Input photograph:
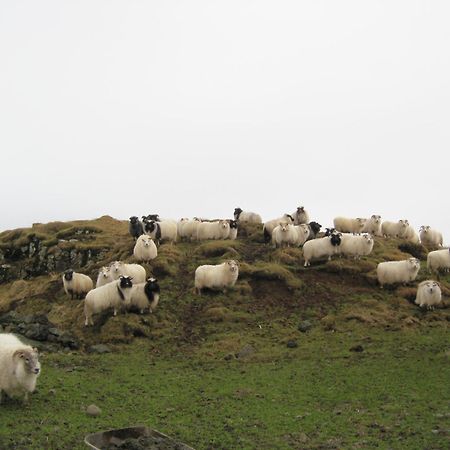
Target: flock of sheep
(122, 285)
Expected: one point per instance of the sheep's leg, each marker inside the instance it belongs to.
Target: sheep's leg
(115, 312)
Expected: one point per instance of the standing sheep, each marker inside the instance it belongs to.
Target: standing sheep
(213, 230)
(135, 271)
(314, 229)
(430, 237)
(145, 295)
(428, 294)
(284, 234)
(111, 295)
(104, 277)
(246, 216)
(233, 229)
(145, 249)
(321, 247)
(219, 276)
(19, 367)
(356, 246)
(303, 233)
(373, 225)
(438, 260)
(269, 226)
(410, 235)
(347, 225)
(300, 216)
(162, 231)
(135, 227)
(391, 272)
(394, 229)
(76, 284)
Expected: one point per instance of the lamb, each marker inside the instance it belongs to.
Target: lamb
(303, 233)
(219, 276)
(373, 225)
(76, 284)
(104, 277)
(19, 367)
(404, 271)
(135, 227)
(111, 295)
(347, 225)
(284, 234)
(430, 237)
(246, 216)
(321, 247)
(145, 295)
(438, 260)
(145, 249)
(233, 229)
(135, 271)
(162, 231)
(356, 246)
(428, 294)
(300, 216)
(269, 226)
(394, 229)
(213, 230)
(410, 235)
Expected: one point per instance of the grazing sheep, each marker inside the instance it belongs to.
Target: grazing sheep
(145, 295)
(219, 276)
(404, 271)
(428, 294)
(162, 231)
(269, 226)
(19, 367)
(303, 233)
(356, 246)
(111, 295)
(145, 249)
(233, 229)
(394, 229)
(76, 284)
(246, 216)
(373, 225)
(410, 235)
(104, 277)
(314, 229)
(300, 216)
(321, 247)
(347, 225)
(213, 230)
(430, 237)
(135, 227)
(284, 234)
(438, 260)
(135, 271)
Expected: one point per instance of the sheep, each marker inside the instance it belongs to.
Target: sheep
(111, 295)
(19, 367)
(233, 229)
(76, 284)
(246, 216)
(428, 294)
(438, 260)
(373, 225)
(145, 249)
(347, 225)
(394, 229)
(135, 227)
(162, 231)
(356, 246)
(104, 277)
(135, 271)
(404, 271)
(144, 295)
(180, 226)
(314, 229)
(300, 216)
(430, 237)
(150, 217)
(219, 276)
(189, 229)
(284, 234)
(269, 226)
(213, 230)
(410, 235)
(321, 247)
(303, 233)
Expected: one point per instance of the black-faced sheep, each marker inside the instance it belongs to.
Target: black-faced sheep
(76, 284)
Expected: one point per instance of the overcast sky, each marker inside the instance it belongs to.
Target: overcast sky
(194, 108)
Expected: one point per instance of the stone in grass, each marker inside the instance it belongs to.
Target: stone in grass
(99, 348)
(292, 344)
(304, 326)
(93, 410)
(357, 348)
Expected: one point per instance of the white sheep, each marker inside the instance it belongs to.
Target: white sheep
(161, 231)
(300, 216)
(246, 216)
(404, 271)
(19, 367)
(233, 230)
(430, 237)
(394, 229)
(145, 295)
(135, 271)
(104, 277)
(111, 295)
(321, 247)
(303, 232)
(218, 276)
(356, 246)
(373, 225)
(76, 284)
(438, 260)
(348, 225)
(411, 235)
(213, 230)
(269, 226)
(428, 294)
(284, 234)
(145, 249)
(189, 229)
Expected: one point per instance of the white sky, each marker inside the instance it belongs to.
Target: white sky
(194, 108)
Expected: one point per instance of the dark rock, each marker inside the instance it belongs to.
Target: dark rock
(36, 331)
(228, 357)
(55, 332)
(292, 344)
(305, 326)
(357, 348)
(10, 318)
(99, 348)
(67, 340)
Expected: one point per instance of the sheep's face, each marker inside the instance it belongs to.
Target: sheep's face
(133, 219)
(431, 287)
(104, 272)
(304, 228)
(152, 284)
(368, 239)
(184, 219)
(29, 359)
(329, 231)
(224, 224)
(414, 263)
(301, 209)
(237, 212)
(116, 266)
(232, 265)
(125, 282)
(335, 239)
(68, 275)
(146, 240)
(426, 229)
(376, 219)
(361, 222)
(315, 227)
(233, 224)
(150, 226)
(403, 223)
(284, 227)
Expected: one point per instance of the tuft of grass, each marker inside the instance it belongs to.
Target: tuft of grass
(219, 248)
(271, 271)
